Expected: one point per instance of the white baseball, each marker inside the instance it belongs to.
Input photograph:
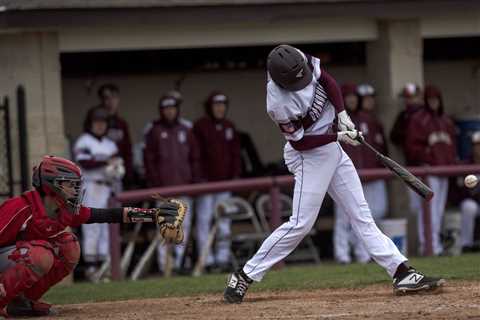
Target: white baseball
(471, 181)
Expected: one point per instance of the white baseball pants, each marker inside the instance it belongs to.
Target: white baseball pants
(376, 195)
(470, 210)
(439, 186)
(205, 212)
(95, 236)
(318, 171)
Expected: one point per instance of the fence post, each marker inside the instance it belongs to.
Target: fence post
(275, 219)
(427, 226)
(22, 137)
(115, 243)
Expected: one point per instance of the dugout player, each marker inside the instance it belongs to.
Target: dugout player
(220, 160)
(95, 152)
(36, 249)
(303, 100)
(118, 131)
(171, 157)
(430, 140)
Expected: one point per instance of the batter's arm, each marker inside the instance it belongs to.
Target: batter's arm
(333, 90)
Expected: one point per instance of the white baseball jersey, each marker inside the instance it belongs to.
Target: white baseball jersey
(88, 147)
(288, 108)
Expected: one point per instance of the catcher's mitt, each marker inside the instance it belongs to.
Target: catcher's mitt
(170, 215)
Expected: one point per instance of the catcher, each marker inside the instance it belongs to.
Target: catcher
(37, 251)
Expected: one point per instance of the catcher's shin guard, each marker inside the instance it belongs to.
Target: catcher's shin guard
(33, 259)
(65, 261)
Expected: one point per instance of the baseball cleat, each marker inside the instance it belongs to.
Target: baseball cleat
(413, 282)
(237, 286)
(23, 307)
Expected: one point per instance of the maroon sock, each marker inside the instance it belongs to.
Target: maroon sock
(401, 269)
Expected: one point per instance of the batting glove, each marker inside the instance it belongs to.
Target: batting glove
(349, 137)
(344, 122)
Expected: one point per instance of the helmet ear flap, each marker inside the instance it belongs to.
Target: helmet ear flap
(37, 177)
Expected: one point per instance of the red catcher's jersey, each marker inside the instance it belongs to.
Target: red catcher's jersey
(24, 218)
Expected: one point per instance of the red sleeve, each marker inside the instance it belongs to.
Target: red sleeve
(333, 90)
(13, 214)
(310, 142)
(82, 217)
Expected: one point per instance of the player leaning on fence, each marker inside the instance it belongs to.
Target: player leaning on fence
(37, 251)
(304, 100)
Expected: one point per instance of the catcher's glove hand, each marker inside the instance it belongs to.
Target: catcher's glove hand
(169, 217)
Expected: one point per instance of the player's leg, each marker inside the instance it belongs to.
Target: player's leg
(469, 208)
(204, 214)
(90, 236)
(104, 243)
(313, 170)
(341, 232)
(416, 206)
(67, 255)
(439, 186)
(222, 253)
(376, 195)
(29, 262)
(345, 188)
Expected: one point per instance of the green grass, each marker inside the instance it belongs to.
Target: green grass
(326, 275)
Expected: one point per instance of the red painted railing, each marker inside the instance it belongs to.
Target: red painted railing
(272, 184)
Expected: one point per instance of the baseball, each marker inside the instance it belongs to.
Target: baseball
(471, 181)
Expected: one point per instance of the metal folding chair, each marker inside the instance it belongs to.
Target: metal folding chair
(307, 249)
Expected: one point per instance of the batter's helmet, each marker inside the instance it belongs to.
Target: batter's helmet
(62, 180)
(288, 67)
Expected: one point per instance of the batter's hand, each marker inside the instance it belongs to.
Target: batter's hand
(344, 122)
(349, 137)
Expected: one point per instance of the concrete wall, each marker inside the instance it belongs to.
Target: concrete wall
(140, 93)
(32, 59)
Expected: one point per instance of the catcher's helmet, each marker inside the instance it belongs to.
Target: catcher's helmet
(288, 67)
(60, 179)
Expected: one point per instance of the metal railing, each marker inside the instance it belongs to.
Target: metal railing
(273, 184)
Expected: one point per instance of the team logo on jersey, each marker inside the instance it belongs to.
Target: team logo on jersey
(182, 136)
(319, 101)
(299, 74)
(229, 133)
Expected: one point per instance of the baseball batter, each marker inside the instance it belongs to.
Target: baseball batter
(304, 100)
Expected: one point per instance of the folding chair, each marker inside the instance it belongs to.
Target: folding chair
(246, 231)
(306, 250)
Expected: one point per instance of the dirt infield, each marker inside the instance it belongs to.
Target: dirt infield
(458, 300)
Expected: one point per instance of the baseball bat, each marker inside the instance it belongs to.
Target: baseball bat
(408, 178)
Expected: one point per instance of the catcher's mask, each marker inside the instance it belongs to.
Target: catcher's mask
(288, 67)
(60, 179)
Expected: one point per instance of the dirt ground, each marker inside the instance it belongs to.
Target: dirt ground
(458, 300)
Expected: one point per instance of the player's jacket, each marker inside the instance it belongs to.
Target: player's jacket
(171, 155)
(219, 147)
(398, 135)
(430, 139)
(374, 134)
(24, 218)
(118, 131)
